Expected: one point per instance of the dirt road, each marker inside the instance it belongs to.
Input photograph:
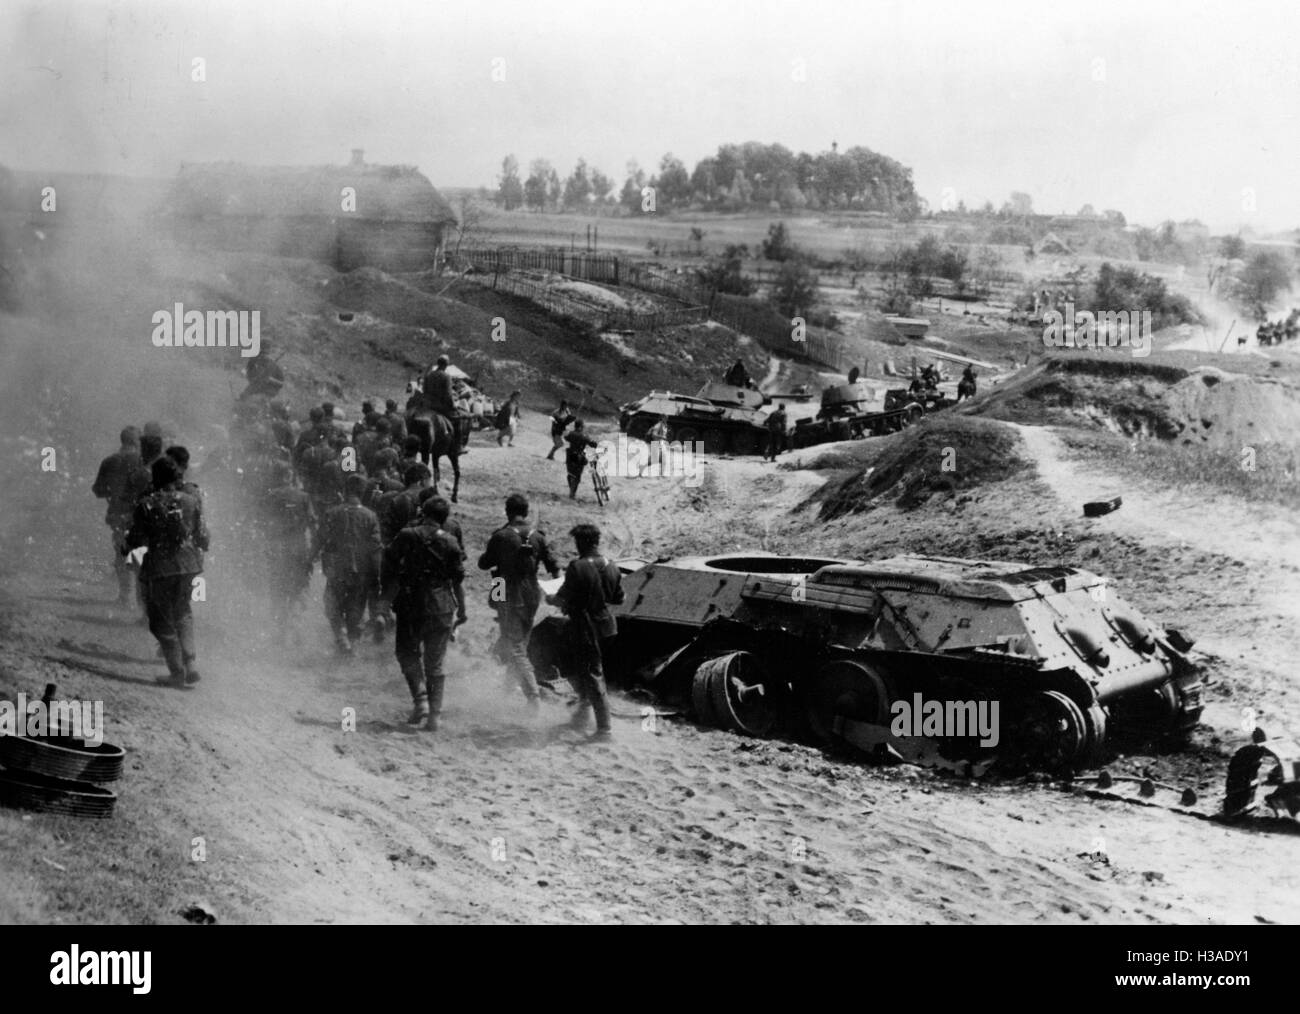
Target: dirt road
(503, 818)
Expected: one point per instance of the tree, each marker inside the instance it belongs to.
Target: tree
(777, 245)
(723, 274)
(1087, 212)
(1264, 278)
(953, 264)
(601, 185)
(673, 186)
(539, 174)
(554, 188)
(630, 197)
(577, 189)
(795, 290)
(510, 192)
(1021, 205)
(1232, 248)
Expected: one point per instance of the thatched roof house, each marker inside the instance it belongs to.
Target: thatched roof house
(389, 216)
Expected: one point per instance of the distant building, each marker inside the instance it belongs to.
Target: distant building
(389, 217)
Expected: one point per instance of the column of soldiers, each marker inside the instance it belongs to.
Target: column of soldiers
(362, 504)
(1275, 332)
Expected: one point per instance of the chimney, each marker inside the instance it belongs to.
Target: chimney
(358, 157)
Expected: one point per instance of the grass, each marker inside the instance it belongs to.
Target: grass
(1274, 479)
(942, 454)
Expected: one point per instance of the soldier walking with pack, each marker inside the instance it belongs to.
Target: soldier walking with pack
(349, 547)
(423, 571)
(591, 585)
(168, 525)
(513, 554)
(121, 480)
(286, 525)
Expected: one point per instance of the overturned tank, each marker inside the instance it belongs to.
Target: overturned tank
(898, 656)
(728, 419)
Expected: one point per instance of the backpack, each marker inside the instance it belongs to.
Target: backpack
(169, 529)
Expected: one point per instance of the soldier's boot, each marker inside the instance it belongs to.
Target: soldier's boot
(419, 701)
(175, 665)
(581, 717)
(191, 672)
(600, 704)
(435, 683)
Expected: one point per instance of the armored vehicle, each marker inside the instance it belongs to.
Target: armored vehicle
(825, 650)
(848, 411)
(728, 419)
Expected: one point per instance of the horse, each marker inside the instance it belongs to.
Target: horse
(965, 388)
(438, 438)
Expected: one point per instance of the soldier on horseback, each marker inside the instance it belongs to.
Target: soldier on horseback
(966, 386)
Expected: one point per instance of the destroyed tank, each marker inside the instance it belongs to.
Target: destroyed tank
(822, 650)
(728, 419)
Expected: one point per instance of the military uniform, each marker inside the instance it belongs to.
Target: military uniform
(423, 568)
(591, 585)
(575, 458)
(170, 523)
(286, 551)
(349, 547)
(513, 554)
(775, 435)
(121, 480)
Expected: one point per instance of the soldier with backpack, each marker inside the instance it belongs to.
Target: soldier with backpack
(591, 585)
(348, 545)
(423, 571)
(168, 526)
(286, 524)
(513, 554)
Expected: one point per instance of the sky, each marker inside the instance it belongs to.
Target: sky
(1161, 110)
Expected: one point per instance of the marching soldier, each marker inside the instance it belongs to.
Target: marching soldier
(591, 585)
(286, 551)
(349, 547)
(121, 479)
(168, 524)
(513, 554)
(423, 571)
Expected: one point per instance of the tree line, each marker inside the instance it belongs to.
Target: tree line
(737, 177)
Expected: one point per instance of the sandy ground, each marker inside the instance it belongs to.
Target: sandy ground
(502, 818)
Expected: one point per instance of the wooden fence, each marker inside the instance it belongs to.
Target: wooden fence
(744, 314)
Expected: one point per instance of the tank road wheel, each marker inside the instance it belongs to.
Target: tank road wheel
(685, 434)
(1052, 734)
(744, 442)
(911, 417)
(740, 699)
(702, 696)
(1095, 721)
(848, 690)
